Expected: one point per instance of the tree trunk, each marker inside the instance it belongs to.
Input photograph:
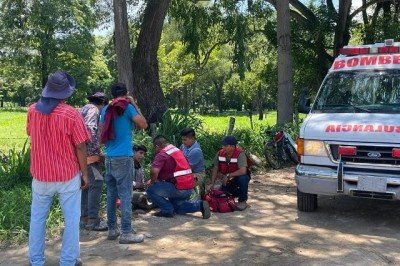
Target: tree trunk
(185, 100)
(285, 83)
(145, 74)
(218, 91)
(44, 71)
(259, 102)
(342, 26)
(121, 44)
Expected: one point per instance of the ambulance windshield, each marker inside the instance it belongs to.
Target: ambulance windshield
(360, 91)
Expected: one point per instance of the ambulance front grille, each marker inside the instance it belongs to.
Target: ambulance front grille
(367, 155)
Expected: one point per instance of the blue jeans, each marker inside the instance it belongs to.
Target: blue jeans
(69, 194)
(91, 196)
(238, 187)
(170, 200)
(118, 177)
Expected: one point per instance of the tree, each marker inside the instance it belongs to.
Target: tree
(122, 45)
(39, 37)
(285, 83)
(145, 73)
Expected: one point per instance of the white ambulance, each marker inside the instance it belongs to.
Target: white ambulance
(350, 141)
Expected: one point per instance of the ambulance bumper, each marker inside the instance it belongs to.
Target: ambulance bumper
(329, 181)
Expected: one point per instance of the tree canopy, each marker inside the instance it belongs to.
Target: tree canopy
(200, 55)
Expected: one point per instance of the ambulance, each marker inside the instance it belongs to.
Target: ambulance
(349, 143)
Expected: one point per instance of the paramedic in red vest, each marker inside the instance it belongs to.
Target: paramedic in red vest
(230, 164)
(172, 182)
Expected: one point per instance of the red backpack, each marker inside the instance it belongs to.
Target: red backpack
(220, 201)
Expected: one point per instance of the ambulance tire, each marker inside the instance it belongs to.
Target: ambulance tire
(306, 202)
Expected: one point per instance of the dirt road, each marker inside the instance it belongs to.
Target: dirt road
(342, 231)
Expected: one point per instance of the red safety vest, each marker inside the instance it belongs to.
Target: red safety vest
(184, 179)
(225, 166)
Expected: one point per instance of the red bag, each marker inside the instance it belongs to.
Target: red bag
(219, 201)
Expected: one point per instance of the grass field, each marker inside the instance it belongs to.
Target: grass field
(12, 129)
(220, 123)
(12, 126)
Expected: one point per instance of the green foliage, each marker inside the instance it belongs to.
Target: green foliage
(173, 124)
(39, 37)
(15, 196)
(14, 167)
(13, 132)
(14, 213)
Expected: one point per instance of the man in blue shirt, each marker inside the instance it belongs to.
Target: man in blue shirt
(118, 119)
(192, 151)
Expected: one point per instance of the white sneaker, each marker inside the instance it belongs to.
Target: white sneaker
(130, 238)
(241, 206)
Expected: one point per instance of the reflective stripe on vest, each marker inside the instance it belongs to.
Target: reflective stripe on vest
(230, 166)
(183, 176)
(182, 172)
(223, 159)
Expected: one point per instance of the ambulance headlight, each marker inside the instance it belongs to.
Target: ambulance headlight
(314, 148)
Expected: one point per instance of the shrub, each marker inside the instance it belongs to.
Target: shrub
(15, 215)
(173, 124)
(14, 167)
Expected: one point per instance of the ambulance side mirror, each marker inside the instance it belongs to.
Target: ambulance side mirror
(304, 102)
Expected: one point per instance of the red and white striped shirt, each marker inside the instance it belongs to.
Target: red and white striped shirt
(53, 141)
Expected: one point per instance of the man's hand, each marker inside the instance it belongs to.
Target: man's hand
(132, 101)
(149, 183)
(84, 182)
(225, 180)
(209, 187)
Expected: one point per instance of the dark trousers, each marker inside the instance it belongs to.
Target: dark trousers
(90, 203)
(238, 187)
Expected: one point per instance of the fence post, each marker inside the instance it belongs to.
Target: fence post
(231, 125)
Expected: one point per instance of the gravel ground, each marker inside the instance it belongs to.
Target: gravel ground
(342, 231)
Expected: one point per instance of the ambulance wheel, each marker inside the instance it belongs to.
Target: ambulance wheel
(306, 202)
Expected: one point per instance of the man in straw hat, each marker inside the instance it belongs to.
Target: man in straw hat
(58, 166)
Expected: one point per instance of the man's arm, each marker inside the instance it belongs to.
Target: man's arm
(194, 157)
(239, 172)
(214, 174)
(242, 164)
(81, 154)
(153, 175)
(138, 119)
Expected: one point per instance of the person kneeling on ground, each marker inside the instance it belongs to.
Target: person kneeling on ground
(172, 182)
(139, 195)
(230, 164)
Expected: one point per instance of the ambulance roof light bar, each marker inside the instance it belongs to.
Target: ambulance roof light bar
(388, 47)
